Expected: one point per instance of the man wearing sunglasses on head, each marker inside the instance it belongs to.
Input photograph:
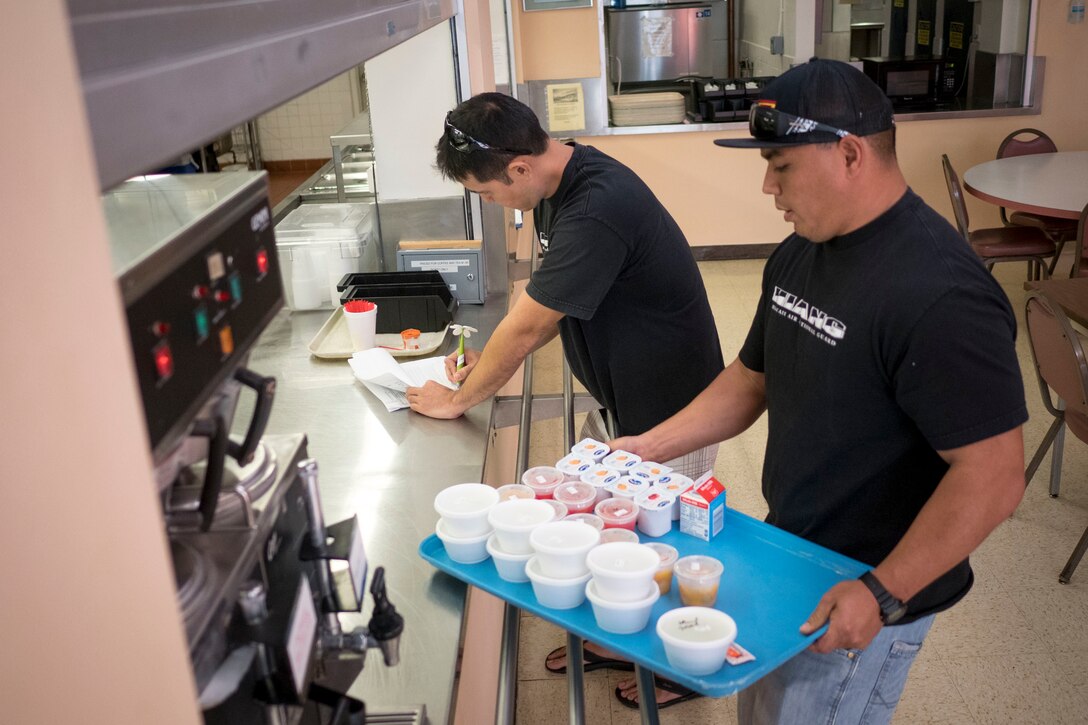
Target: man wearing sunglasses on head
(617, 282)
(883, 353)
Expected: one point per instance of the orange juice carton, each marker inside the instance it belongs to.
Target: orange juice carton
(702, 508)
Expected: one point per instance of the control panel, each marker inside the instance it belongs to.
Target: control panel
(189, 329)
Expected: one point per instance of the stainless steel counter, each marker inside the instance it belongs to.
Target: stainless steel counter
(385, 467)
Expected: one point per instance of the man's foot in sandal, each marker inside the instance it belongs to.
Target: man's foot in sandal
(668, 693)
(593, 658)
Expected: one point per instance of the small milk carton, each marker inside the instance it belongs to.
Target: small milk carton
(702, 508)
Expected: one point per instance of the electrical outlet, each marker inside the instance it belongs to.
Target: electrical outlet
(778, 45)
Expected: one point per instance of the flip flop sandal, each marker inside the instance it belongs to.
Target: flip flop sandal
(590, 661)
(666, 685)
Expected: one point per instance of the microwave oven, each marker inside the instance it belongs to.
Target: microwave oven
(912, 80)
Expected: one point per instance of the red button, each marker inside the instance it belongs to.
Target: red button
(164, 360)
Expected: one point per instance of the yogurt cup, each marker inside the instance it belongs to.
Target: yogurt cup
(622, 572)
(589, 519)
(511, 567)
(610, 535)
(543, 480)
(654, 512)
(465, 508)
(601, 477)
(579, 497)
(617, 513)
(463, 550)
(622, 461)
(556, 593)
(513, 521)
(696, 638)
(698, 578)
(573, 465)
(650, 470)
(663, 575)
(627, 487)
(559, 507)
(561, 548)
(622, 617)
(675, 484)
(515, 490)
(595, 449)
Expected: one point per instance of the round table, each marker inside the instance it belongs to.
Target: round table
(1051, 184)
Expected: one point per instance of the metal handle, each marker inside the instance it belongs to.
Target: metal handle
(215, 430)
(266, 392)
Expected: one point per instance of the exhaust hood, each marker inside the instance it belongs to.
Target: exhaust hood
(162, 77)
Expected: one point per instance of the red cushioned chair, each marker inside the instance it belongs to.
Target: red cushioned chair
(1024, 142)
(1061, 368)
(1000, 244)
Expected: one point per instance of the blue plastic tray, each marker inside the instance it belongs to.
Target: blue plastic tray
(772, 582)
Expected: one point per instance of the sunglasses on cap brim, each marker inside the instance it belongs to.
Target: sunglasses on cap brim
(463, 143)
(768, 123)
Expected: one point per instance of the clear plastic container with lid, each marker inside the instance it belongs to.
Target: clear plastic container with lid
(515, 490)
(317, 245)
(543, 480)
(668, 555)
(588, 519)
(617, 513)
(579, 497)
(698, 578)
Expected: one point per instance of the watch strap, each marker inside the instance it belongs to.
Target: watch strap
(891, 608)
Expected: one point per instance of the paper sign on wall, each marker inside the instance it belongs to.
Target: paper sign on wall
(656, 37)
(566, 107)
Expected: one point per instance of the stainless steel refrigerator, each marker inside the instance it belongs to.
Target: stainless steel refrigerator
(668, 41)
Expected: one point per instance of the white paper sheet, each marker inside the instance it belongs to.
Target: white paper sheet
(387, 379)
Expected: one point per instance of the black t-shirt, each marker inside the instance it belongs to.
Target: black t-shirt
(638, 331)
(880, 348)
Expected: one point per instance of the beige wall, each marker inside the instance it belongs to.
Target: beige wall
(556, 43)
(90, 631)
(714, 192)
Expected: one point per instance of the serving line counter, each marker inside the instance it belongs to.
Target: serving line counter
(386, 468)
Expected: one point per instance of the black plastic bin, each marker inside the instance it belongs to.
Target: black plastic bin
(352, 279)
(426, 307)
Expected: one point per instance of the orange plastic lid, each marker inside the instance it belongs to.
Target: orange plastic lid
(409, 334)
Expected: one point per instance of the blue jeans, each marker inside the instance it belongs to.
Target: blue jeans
(843, 687)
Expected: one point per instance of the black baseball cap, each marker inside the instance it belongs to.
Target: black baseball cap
(829, 92)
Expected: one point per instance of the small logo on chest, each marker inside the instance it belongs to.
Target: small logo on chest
(808, 316)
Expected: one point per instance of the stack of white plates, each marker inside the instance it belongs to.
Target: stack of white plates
(646, 109)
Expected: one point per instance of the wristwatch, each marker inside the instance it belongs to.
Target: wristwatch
(891, 609)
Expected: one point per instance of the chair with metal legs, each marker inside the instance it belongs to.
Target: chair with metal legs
(1000, 244)
(1026, 142)
(1061, 367)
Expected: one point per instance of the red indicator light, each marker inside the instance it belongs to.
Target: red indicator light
(160, 329)
(262, 261)
(222, 296)
(200, 292)
(164, 360)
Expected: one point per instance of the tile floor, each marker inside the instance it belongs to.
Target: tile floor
(1015, 650)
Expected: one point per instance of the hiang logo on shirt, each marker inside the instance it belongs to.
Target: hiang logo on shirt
(809, 317)
(543, 242)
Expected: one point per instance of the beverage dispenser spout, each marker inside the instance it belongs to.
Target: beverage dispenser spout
(385, 625)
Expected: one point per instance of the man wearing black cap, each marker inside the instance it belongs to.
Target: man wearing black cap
(884, 355)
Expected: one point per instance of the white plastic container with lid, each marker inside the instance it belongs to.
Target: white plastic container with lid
(649, 470)
(622, 461)
(674, 484)
(601, 477)
(318, 244)
(655, 512)
(627, 487)
(573, 465)
(591, 446)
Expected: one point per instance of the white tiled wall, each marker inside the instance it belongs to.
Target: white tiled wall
(300, 129)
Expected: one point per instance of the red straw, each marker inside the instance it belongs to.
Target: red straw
(359, 306)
